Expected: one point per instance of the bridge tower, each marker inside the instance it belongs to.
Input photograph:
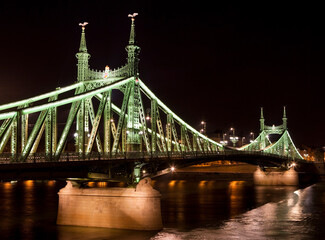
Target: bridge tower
(133, 138)
(284, 146)
(82, 121)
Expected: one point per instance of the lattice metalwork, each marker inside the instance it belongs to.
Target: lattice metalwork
(105, 115)
(284, 146)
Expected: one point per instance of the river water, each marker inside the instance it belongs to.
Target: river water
(191, 209)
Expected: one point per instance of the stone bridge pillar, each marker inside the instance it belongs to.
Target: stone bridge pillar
(125, 208)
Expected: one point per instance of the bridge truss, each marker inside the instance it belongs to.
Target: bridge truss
(106, 115)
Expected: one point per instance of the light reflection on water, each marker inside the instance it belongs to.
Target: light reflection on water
(191, 209)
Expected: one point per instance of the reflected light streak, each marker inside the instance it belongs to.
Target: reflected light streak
(102, 184)
(202, 184)
(172, 183)
(29, 183)
(91, 184)
(7, 185)
(51, 183)
(236, 191)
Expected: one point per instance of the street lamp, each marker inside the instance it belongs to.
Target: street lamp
(203, 130)
(224, 141)
(252, 136)
(242, 141)
(233, 138)
(148, 114)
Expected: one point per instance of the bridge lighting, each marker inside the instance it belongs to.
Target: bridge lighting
(172, 169)
(224, 142)
(106, 72)
(148, 114)
(292, 165)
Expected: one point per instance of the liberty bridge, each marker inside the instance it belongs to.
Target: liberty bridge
(112, 131)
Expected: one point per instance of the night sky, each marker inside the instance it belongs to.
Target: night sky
(219, 63)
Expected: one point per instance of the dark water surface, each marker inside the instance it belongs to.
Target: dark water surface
(191, 209)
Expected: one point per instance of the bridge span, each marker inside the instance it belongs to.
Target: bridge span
(121, 167)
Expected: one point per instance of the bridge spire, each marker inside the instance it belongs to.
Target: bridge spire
(284, 118)
(262, 120)
(82, 55)
(132, 49)
(132, 32)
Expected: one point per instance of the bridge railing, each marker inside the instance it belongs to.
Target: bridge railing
(8, 158)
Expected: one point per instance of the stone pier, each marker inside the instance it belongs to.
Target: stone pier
(125, 208)
(285, 178)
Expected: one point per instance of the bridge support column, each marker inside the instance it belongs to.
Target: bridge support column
(124, 208)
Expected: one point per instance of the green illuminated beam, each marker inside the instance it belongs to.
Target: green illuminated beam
(161, 104)
(95, 124)
(73, 99)
(33, 135)
(40, 97)
(4, 126)
(73, 111)
(7, 115)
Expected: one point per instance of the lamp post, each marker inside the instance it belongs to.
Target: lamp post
(224, 141)
(242, 141)
(233, 138)
(148, 114)
(203, 130)
(252, 136)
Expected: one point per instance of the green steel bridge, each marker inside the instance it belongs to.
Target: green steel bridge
(115, 118)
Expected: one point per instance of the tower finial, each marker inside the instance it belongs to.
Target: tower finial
(284, 118)
(132, 32)
(83, 46)
(262, 126)
(82, 56)
(133, 50)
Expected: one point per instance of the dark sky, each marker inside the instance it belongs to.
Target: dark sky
(218, 63)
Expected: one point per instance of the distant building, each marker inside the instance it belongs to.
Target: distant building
(313, 154)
